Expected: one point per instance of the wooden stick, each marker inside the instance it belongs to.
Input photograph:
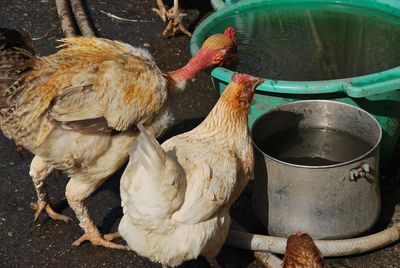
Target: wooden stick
(81, 18)
(66, 18)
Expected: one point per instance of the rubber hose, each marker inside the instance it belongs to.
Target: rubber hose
(267, 259)
(328, 248)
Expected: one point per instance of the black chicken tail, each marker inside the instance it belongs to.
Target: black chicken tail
(16, 59)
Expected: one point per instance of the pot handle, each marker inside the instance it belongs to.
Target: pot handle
(359, 172)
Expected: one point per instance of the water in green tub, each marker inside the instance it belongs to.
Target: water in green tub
(317, 42)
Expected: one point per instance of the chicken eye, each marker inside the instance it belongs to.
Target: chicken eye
(246, 90)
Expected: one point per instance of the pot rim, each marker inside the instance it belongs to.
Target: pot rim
(357, 159)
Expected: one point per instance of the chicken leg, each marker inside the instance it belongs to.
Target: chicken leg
(39, 171)
(77, 191)
(112, 236)
(172, 17)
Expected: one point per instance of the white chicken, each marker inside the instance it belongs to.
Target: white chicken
(176, 196)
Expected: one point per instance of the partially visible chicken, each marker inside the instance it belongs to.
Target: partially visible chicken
(77, 110)
(176, 197)
(301, 252)
(172, 18)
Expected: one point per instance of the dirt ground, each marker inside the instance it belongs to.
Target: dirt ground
(46, 243)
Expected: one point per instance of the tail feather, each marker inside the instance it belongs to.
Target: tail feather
(153, 179)
(147, 150)
(16, 57)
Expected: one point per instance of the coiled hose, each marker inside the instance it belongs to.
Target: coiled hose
(264, 247)
(328, 248)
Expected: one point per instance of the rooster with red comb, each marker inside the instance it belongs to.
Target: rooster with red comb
(77, 109)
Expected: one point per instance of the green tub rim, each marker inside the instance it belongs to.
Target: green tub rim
(356, 87)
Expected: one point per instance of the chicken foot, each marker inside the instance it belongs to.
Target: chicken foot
(172, 17)
(76, 192)
(91, 234)
(39, 171)
(112, 236)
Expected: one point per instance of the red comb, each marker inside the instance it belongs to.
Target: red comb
(230, 32)
(298, 233)
(238, 77)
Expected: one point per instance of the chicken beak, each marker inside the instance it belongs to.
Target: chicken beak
(256, 81)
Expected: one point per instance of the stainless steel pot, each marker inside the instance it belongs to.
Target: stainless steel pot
(334, 201)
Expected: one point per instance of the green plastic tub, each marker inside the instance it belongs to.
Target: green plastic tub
(376, 93)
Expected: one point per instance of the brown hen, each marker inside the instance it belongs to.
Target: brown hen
(301, 252)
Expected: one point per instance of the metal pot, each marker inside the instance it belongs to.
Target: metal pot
(332, 201)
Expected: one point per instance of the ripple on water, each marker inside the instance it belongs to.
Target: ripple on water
(316, 42)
